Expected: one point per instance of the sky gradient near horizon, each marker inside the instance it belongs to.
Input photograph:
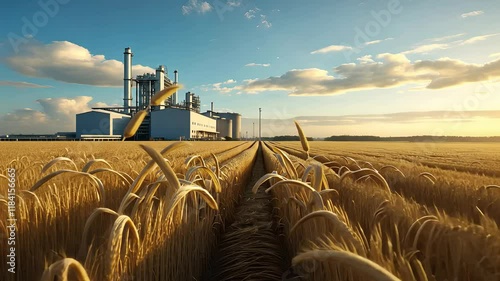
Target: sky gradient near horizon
(383, 67)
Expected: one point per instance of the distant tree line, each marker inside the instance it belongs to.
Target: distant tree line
(285, 138)
(414, 138)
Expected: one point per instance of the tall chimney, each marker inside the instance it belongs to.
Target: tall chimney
(176, 81)
(160, 77)
(127, 80)
(189, 101)
(211, 109)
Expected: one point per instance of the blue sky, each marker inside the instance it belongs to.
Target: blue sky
(295, 59)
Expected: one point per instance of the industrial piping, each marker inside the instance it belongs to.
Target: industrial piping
(127, 80)
(176, 80)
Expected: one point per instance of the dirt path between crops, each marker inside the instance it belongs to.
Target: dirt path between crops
(250, 249)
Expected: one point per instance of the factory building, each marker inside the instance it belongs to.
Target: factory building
(173, 120)
(101, 124)
(226, 119)
(174, 123)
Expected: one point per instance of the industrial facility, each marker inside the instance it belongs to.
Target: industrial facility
(173, 120)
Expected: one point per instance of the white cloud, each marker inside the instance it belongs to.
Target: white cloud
(250, 14)
(391, 70)
(220, 87)
(67, 62)
(195, 6)
(446, 38)
(56, 114)
(264, 22)
(378, 41)
(426, 49)
(258, 64)
(366, 59)
(234, 3)
(472, 14)
(478, 39)
(473, 123)
(21, 84)
(495, 55)
(331, 48)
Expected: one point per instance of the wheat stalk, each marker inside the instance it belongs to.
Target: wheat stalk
(88, 223)
(265, 178)
(134, 124)
(365, 266)
(183, 191)
(151, 165)
(67, 269)
(367, 172)
(345, 231)
(190, 174)
(114, 252)
(162, 95)
(394, 168)
(56, 160)
(100, 187)
(428, 176)
(93, 161)
(303, 139)
(166, 169)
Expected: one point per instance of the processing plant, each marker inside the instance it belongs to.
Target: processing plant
(173, 120)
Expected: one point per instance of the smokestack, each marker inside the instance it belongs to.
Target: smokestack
(127, 80)
(211, 109)
(176, 80)
(189, 101)
(160, 77)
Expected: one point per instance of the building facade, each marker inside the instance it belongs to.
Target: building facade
(175, 124)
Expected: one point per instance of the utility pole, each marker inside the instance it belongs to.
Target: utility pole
(253, 130)
(260, 124)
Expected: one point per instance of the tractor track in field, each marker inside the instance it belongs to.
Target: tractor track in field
(250, 248)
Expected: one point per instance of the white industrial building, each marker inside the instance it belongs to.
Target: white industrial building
(173, 120)
(101, 124)
(174, 123)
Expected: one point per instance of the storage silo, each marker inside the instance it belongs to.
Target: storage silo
(236, 120)
(225, 127)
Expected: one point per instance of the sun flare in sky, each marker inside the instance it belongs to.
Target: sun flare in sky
(383, 67)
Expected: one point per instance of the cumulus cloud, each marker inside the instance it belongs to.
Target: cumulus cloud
(196, 6)
(331, 48)
(27, 115)
(472, 14)
(67, 62)
(21, 84)
(258, 64)
(55, 114)
(391, 70)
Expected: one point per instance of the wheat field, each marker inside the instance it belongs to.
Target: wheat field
(252, 210)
